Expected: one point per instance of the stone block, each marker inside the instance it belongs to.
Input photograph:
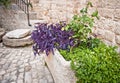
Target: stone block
(109, 43)
(117, 38)
(110, 36)
(105, 12)
(108, 24)
(117, 15)
(117, 28)
(99, 33)
(111, 3)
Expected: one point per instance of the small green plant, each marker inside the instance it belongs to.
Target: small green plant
(6, 3)
(82, 23)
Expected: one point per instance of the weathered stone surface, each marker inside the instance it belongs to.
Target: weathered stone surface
(2, 72)
(28, 77)
(117, 29)
(21, 76)
(10, 20)
(12, 71)
(107, 13)
(110, 3)
(17, 42)
(117, 38)
(18, 33)
(110, 36)
(3, 61)
(1, 78)
(117, 15)
(35, 80)
(99, 33)
(20, 81)
(60, 68)
(34, 74)
(43, 80)
(2, 32)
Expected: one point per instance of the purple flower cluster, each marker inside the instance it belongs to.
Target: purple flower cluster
(49, 36)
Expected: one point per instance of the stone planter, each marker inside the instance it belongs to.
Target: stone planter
(59, 68)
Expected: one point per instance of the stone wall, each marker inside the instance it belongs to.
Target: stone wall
(107, 28)
(56, 10)
(12, 18)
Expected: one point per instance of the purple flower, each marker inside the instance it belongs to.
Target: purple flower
(47, 37)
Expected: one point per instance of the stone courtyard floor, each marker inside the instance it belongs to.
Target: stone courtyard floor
(19, 65)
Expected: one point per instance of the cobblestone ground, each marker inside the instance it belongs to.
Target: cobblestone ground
(19, 65)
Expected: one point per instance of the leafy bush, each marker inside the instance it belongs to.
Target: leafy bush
(47, 37)
(101, 64)
(82, 23)
(89, 44)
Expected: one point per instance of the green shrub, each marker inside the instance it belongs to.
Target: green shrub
(101, 64)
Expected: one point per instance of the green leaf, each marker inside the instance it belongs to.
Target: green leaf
(95, 14)
(75, 17)
(89, 4)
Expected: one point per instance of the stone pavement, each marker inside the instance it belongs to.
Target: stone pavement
(19, 65)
